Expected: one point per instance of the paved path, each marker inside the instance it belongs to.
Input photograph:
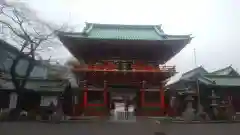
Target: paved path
(105, 128)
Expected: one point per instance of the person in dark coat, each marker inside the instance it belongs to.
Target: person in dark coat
(127, 104)
(51, 110)
(112, 107)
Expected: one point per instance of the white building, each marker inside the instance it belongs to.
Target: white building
(39, 77)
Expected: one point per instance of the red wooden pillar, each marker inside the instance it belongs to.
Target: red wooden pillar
(105, 93)
(162, 96)
(85, 97)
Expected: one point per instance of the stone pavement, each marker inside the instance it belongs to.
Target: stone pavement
(106, 128)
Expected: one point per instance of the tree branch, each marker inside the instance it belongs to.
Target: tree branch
(20, 23)
(24, 29)
(12, 29)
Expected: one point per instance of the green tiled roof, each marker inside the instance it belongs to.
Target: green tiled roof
(193, 73)
(226, 71)
(128, 32)
(222, 77)
(221, 80)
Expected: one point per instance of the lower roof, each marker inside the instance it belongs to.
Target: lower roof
(102, 49)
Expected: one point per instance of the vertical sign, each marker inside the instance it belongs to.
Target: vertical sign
(13, 100)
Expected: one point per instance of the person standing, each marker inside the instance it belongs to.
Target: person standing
(58, 113)
(51, 109)
(126, 108)
(112, 108)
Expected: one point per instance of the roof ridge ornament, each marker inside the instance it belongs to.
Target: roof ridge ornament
(159, 31)
(159, 27)
(88, 27)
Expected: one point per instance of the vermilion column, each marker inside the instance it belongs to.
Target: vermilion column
(85, 98)
(162, 96)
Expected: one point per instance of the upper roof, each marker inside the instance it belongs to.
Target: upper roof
(127, 32)
(222, 77)
(193, 73)
(150, 40)
(226, 71)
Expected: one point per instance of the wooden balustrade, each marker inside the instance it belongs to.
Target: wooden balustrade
(149, 68)
(168, 68)
(108, 66)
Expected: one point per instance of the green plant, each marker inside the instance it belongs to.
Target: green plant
(4, 116)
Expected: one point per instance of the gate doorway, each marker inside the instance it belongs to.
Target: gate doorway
(124, 108)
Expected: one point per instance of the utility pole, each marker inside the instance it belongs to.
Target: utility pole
(195, 57)
(197, 83)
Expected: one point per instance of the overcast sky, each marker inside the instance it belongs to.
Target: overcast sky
(215, 24)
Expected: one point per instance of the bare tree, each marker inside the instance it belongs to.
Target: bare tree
(29, 35)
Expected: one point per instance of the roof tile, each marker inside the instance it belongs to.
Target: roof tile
(223, 80)
(128, 32)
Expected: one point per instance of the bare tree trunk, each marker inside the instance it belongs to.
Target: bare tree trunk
(16, 82)
(19, 82)
(13, 73)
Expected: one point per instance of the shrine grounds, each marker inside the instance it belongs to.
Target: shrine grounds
(106, 128)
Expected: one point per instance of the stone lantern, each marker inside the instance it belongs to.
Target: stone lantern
(214, 104)
(189, 112)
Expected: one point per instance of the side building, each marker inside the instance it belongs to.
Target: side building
(224, 83)
(39, 80)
